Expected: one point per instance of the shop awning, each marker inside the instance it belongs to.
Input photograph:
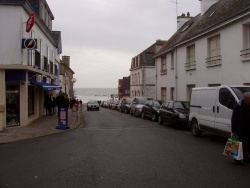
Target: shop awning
(47, 87)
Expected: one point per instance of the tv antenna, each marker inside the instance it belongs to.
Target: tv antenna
(176, 5)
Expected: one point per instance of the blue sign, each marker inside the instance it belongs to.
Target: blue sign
(62, 118)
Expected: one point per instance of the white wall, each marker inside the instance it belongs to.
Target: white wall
(13, 28)
(232, 71)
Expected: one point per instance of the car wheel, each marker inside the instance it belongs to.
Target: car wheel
(142, 115)
(160, 120)
(195, 128)
(135, 113)
(154, 117)
(131, 112)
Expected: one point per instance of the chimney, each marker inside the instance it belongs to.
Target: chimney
(206, 4)
(183, 19)
(66, 60)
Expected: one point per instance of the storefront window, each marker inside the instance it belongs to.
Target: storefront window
(12, 104)
(31, 100)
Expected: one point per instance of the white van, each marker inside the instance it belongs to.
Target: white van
(211, 108)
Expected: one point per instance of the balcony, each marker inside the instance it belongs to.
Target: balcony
(164, 71)
(245, 55)
(213, 61)
(190, 65)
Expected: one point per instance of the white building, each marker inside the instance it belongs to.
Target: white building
(210, 49)
(142, 72)
(29, 60)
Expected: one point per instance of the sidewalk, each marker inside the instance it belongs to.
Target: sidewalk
(43, 126)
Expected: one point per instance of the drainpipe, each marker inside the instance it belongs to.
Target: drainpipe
(176, 76)
(155, 79)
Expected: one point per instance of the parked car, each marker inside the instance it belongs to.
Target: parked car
(106, 104)
(135, 102)
(151, 109)
(125, 105)
(92, 105)
(174, 113)
(114, 105)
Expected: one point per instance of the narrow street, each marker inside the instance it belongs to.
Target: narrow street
(119, 150)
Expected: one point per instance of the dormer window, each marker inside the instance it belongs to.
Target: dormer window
(211, 14)
(186, 27)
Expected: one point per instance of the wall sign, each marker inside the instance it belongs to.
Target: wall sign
(29, 44)
(30, 22)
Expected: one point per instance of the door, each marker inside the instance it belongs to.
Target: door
(207, 110)
(224, 111)
(12, 108)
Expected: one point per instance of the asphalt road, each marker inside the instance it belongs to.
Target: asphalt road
(118, 150)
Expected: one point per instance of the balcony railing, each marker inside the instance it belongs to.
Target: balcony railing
(164, 71)
(213, 61)
(245, 54)
(190, 65)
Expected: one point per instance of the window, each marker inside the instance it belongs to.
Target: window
(170, 106)
(191, 63)
(163, 93)
(213, 85)
(30, 100)
(189, 90)
(245, 53)
(172, 60)
(172, 94)
(214, 57)
(163, 65)
(138, 78)
(226, 98)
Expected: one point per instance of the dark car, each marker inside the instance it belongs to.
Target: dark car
(92, 105)
(136, 105)
(125, 105)
(151, 109)
(174, 113)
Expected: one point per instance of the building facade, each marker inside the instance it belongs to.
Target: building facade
(29, 60)
(66, 77)
(142, 72)
(210, 49)
(124, 87)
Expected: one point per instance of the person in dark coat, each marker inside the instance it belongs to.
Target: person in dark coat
(241, 124)
(48, 104)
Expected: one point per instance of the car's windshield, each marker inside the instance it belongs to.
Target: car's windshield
(239, 91)
(157, 104)
(128, 101)
(181, 105)
(142, 101)
(93, 102)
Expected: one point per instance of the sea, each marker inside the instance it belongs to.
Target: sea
(100, 94)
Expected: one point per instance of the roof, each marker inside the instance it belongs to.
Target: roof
(146, 57)
(218, 14)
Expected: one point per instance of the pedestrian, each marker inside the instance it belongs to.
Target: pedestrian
(47, 104)
(53, 104)
(241, 124)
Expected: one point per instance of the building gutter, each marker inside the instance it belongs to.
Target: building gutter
(203, 33)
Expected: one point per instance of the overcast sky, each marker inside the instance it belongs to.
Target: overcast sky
(102, 36)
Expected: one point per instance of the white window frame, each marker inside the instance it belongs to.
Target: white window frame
(214, 51)
(163, 64)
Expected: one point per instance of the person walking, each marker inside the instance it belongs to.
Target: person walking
(241, 124)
